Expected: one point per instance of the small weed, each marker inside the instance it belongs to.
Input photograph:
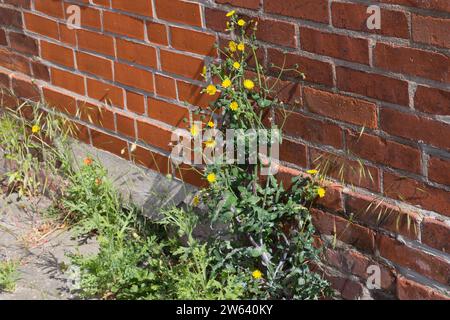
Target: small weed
(8, 275)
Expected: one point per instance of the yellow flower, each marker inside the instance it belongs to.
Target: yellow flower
(241, 22)
(194, 130)
(257, 274)
(241, 47)
(226, 83)
(236, 65)
(211, 124)
(211, 143)
(231, 13)
(35, 129)
(234, 106)
(211, 90)
(312, 171)
(232, 45)
(196, 201)
(211, 178)
(321, 192)
(248, 84)
(204, 71)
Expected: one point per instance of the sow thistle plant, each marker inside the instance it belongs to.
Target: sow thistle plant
(262, 228)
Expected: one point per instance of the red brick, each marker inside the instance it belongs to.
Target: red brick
(66, 35)
(23, 43)
(293, 152)
(96, 115)
(298, 125)
(354, 16)
(387, 152)
(179, 11)
(125, 125)
(405, 125)
(3, 40)
(341, 107)
(193, 41)
(436, 234)
(154, 135)
(135, 102)
(181, 64)
(57, 54)
(439, 170)
(90, 17)
(372, 85)
(415, 62)
(13, 61)
(432, 101)
(165, 86)
(289, 92)
(167, 112)
(60, 101)
(430, 30)
(215, 19)
(141, 7)
(191, 93)
(354, 262)
(133, 77)
(107, 93)
(417, 193)
(40, 71)
(23, 87)
(41, 25)
(157, 33)
(345, 170)
(423, 263)
(67, 80)
(377, 213)
(315, 10)
(52, 8)
(315, 71)
(345, 231)
(151, 160)
(334, 45)
(10, 17)
(95, 42)
(411, 290)
(80, 132)
(278, 32)
(440, 5)
(94, 65)
(136, 53)
(248, 4)
(109, 143)
(123, 24)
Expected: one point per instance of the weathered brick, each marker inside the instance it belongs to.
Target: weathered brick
(432, 101)
(415, 62)
(193, 41)
(125, 125)
(109, 143)
(63, 102)
(154, 135)
(168, 112)
(249, 4)
(430, 30)
(94, 65)
(107, 93)
(141, 7)
(179, 11)
(41, 25)
(165, 86)
(436, 234)
(439, 170)
(416, 193)
(334, 45)
(384, 151)
(133, 77)
(372, 85)
(340, 107)
(136, 53)
(315, 10)
(123, 25)
(377, 213)
(353, 16)
(67, 80)
(411, 290)
(406, 124)
(95, 42)
(431, 266)
(181, 64)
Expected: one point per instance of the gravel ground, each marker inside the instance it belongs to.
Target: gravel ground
(40, 247)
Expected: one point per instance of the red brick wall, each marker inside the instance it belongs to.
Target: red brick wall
(145, 57)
